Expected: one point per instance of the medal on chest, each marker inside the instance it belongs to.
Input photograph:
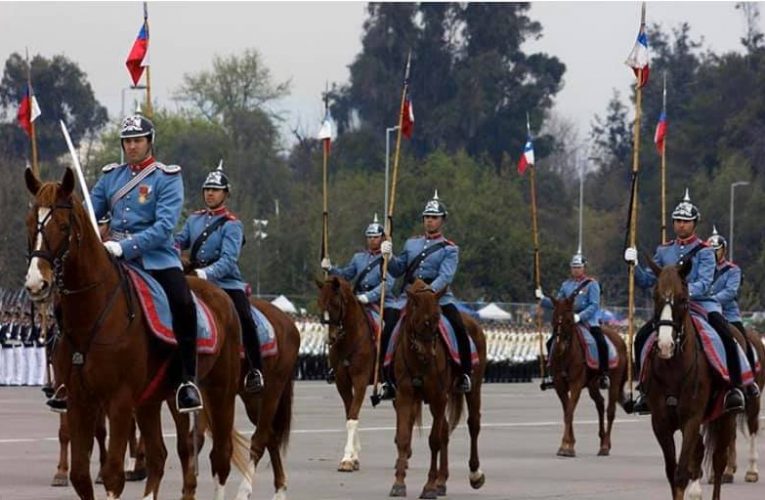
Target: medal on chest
(144, 191)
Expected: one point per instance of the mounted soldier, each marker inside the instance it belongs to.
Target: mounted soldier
(687, 245)
(433, 259)
(365, 272)
(216, 236)
(145, 199)
(586, 293)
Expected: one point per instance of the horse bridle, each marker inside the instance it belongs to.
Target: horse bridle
(420, 339)
(337, 323)
(676, 323)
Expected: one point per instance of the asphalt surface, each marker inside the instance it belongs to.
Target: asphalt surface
(520, 434)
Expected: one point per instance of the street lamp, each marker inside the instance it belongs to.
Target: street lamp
(260, 234)
(387, 164)
(732, 198)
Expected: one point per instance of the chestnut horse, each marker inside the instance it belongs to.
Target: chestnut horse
(351, 355)
(270, 411)
(425, 374)
(680, 386)
(571, 374)
(112, 360)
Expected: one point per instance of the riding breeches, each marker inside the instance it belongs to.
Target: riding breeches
(600, 341)
(721, 325)
(749, 347)
(390, 319)
(249, 329)
(184, 315)
(640, 339)
(463, 343)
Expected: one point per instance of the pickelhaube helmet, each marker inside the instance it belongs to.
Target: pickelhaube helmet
(217, 179)
(578, 260)
(686, 210)
(716, 241)
(435, 207)
(375, 228)
(137, 126)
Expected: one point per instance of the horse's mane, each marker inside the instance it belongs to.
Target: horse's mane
(419, 286)
(50, 194)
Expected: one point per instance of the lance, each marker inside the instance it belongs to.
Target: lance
(325, 159)
(664, 165)
(33, 133)
(81, 178)
(375, 397)
(149, 109)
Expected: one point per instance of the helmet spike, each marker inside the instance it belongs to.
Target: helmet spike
(435, 194)
(138, 109)
(375, 220)
(714, 230)
(687, 196)
(220, 165)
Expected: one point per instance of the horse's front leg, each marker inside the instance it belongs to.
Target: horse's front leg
(119, 411)
(405, 411)
(567, 449)
(435, 441)
(597, 397)
(752, 473)
(148, 418)
(61, 478)
(688, 453)
(345, 388)
(476, 477)
(184, 445)
(82, 420)
(664, 435)
(359, 391)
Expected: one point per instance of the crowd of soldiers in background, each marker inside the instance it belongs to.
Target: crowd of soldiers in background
(23, 360)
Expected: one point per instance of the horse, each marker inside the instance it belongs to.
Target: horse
(352, 351)
(571, 374)
(112, 360)
(270, 411)
(425, 374)
(681, 386)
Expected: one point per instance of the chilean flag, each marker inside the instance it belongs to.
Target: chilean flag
(138, 58)
(407, 119)
(527, 158)
(325, 132)
(28, 112)
(661, 132)
(638, 58)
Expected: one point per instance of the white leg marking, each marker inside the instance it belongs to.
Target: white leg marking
(34, 279)
(150, 496)
(666, 343)
(281, 494)
(351, 426)
(110, 496)
(754, 454)
(356, 443)
(693, 491)
(475, 476)
(247, 483)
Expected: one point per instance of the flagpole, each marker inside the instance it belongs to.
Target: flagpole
(325, 212)
(664, 166)
(149, 110)
(375, 397)
(32, 133)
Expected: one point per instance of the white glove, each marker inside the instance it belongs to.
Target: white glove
(386, 247)
(114, 248)
(538, 294)
(576, 318)
(631, 255)
(363, 298)
(326, 263)
(200, 273)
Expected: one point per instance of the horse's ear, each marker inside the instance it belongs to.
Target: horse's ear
(33, 183)
(684, 269)
(67, 183)
(653, 265)
(319, 283)
(335, 283)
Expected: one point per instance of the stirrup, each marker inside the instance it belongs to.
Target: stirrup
(734, 400)
(641, 405)
(57, 401)
(753, 391)
(604, 382)
(194, 402)
(464, 385)
(330, 376)
(387, 391)
(253, 381)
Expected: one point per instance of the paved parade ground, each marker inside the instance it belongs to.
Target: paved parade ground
(520, 435)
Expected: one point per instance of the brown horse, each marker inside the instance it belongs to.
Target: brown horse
(351, 355)
(270, 411)
(112, 357)
(681, 386)
(424, 372)
(571, 374)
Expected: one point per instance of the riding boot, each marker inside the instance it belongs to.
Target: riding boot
(57, 400)
(388, 388)
(253, 380)
(187, 397)
(734, 399)
(600, 340)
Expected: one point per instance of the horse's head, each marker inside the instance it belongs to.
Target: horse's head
(670, 304)
(422, 317)
(55, 216)
(563, 322)
(335, 298)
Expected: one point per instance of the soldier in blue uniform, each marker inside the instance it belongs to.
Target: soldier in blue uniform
(216, 236)
(145, 199)
(725, 289)
(586, 291)
(365, 272)
(687, 245)
(433, 259)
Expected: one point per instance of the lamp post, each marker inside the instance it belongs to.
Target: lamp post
(260, 234)
(732, 198)
(387, 165)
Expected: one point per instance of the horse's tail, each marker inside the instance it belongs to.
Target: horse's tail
(418, 415)
(716, 434)
(455, 408)
(282, 422)
(240, 455)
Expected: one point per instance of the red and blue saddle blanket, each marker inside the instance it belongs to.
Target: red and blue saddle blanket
(373, 319)
(590, 348)
(266, 334)
(156, 310)
(712, 346)
(447, 335)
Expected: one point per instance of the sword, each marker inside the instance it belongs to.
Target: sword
(81, 178)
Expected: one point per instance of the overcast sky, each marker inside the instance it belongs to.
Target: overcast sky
(311, 43)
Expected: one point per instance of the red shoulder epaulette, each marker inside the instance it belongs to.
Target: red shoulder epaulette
(200, 211)
(231, 215)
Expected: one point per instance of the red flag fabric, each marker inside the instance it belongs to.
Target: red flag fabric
(407, 119)
(28, 112)
(661, 132)
(325, 132)
(137, 60)
(527, 158)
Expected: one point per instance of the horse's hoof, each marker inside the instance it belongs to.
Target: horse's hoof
(727, 478)
(604, 452)
(566, 452)
(135, 475)
(346, 466)
(751, 477)
(356, 464)
(99, 479)
(426, 493)
(398, 490)
(441, 490)
(60, 479)
(477, 482)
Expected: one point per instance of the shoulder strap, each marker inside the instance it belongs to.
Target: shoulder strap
(420, 257)
(581, 287)
(131, 184)
(693, 252)
(363, 274)
(723, 270)
(203, 237)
